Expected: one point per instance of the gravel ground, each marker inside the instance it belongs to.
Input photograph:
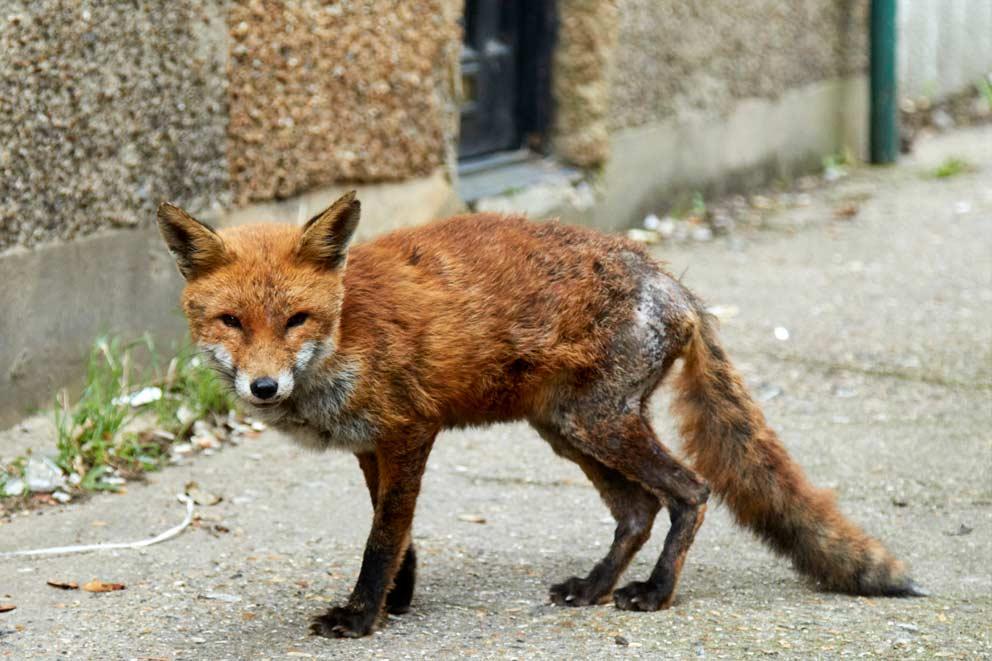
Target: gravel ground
(883, 391)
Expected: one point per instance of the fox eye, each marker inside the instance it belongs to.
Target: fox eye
(297, 320)
(230, 321)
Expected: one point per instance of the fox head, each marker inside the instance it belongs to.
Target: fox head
(263, 301)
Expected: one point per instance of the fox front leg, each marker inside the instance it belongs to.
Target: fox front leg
(401, 594)
(401, 467)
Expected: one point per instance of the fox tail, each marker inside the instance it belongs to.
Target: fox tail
(732, 446)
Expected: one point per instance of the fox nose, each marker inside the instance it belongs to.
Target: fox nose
(264, 387)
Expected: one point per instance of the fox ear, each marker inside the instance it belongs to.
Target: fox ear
(196, 246)
(326, 236)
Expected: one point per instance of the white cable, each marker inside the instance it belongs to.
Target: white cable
(86, 548)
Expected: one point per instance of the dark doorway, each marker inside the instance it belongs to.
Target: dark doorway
(506, 75)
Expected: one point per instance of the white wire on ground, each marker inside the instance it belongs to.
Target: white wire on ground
(86, 548)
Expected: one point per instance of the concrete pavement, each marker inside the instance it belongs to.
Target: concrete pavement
(883, 391)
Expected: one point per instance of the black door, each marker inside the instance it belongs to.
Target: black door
(506, 63)
(489, 80)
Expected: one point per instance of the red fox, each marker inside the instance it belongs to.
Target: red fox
(485, 318)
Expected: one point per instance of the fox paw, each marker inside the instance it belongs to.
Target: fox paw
(576, 592)
(398, 603)
(342, 622)
(642, 596)
(399, 597)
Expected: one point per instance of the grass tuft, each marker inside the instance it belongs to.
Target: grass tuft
(108, 434)
(951, 167)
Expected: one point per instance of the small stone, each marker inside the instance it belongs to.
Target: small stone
(642, 236)
(942, 119)
(651, 222)
(721, 222)
(781, 333)
(13, 487)
(702, 234)
(141, 397)
(185, 415)
(621, 641)
(666, 228)
(201, 496)
(768, 391)
(42, 475)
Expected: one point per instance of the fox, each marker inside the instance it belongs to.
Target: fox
(485, 318)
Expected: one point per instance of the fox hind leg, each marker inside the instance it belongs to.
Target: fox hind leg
(627, 444)
(634, 509)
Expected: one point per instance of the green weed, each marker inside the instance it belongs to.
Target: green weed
(951, 167)
(107, 433)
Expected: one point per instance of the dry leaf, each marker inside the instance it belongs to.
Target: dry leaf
(64, 585)
(4, 608)
(846, 211)
(100, 586)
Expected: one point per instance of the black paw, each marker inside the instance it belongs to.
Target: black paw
(576, 592)
(399, 598)
(343, 622)
(642, 596)
(398, 603)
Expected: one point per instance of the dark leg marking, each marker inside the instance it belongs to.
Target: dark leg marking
(627, 444)
(401, 466)
(634, 510)
(401, 594)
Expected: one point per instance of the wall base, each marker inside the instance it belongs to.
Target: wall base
(759, 141)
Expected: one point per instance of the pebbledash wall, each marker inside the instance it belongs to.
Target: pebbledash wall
(247, 110)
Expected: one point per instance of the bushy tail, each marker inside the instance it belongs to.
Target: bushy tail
(732, 446)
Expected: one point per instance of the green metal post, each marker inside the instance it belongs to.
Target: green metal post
(884, 106)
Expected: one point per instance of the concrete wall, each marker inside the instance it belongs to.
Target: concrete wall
(678, 58)
(944, 45)
(106, 109)
(327, 92)
(756, 141)
(727, 95)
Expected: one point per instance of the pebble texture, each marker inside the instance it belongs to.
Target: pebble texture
(677, 57)
(105, 112)
(326, 92)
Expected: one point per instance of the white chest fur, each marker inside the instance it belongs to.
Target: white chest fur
(319, 415)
